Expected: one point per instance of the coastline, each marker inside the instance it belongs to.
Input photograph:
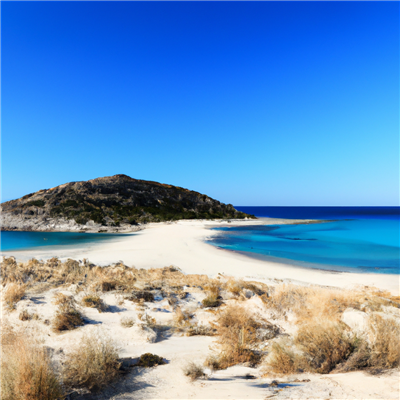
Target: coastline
(183, 244)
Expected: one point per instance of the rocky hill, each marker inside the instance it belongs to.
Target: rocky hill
(109, 204)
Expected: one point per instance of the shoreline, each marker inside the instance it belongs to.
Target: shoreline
(183, 244)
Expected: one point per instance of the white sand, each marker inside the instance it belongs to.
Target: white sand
(183, 245)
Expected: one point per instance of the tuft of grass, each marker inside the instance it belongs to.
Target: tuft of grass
(385, 349)
(149, 360)
(324, 345)
(26, 369)
(194, 371)
(13, 294)
(237, 336)
(67, 317)
(127, 322)
(181, 318)
(24, 315)
(283, 360)
(92, 364)
(213, 296)
(93, 300)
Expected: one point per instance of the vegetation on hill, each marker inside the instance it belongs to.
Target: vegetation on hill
(116, 200)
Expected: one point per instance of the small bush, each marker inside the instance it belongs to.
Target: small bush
(94, 301)
(127, 322)
(324, 346)
(107, 286)
(149, 360)
(24, 315)
(283, 360)
(26, 370)
(141, 295)
(13, 294)
(385, 349)
(67, 317)
(194, 371)
(181, 318)
(200, 330)
(237, 331)
(92, 363)
(213, 297)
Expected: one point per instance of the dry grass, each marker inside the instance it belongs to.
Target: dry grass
(86, 275)
(213, 295)
(26, 369)
(385, 339)
(326, 347)
(322, 346)
(282, 359)
(313, 302)
(92, 364)
(13, 294)
(181, 318)
(238, 336)
(25, 315)
(127, 322)
(93, 300)
(194, 371)
(67, 316)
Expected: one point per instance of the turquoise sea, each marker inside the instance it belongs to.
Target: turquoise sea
(14, 241)
(357, 239)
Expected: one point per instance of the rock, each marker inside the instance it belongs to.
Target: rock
(356, 320)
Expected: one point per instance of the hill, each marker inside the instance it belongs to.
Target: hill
(110, 203)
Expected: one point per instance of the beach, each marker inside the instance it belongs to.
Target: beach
(162, 324)
(183, 245)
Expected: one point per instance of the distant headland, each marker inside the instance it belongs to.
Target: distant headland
(110, 204)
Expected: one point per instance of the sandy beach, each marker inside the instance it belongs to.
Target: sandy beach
(183, 245)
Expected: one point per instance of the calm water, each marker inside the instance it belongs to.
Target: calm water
(30, 240)
(361, 239)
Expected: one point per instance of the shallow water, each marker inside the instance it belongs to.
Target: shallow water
(366, 244)
(14, 241)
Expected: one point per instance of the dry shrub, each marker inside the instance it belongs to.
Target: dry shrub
(237, 332)
(149, 360)
(385, 349)
(324, 345)
(194, 371)
(312, 302)
(118, 276)
(200, 330)
(67, 317)
(13, 294)
(24, 315)
(92, 363)
(93, 300)
(213, 297)
(282, 359)
(26, 369)
(127, 322)
(181, 318)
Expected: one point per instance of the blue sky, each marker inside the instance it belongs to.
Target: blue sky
(252, 103)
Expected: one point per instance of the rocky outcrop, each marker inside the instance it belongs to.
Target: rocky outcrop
(109, 204)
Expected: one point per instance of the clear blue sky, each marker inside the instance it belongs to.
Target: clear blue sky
(252, 103)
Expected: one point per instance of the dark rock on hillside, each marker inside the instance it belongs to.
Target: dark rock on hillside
(110, 203)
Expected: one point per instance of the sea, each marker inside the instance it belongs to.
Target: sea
(16, 241)
(353, 239)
